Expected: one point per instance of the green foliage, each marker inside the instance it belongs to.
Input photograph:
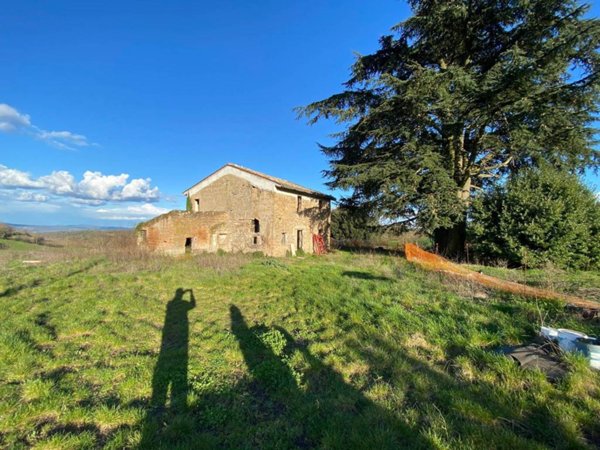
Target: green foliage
(272, 339)
(351, 222)
(188, 204)
(541, 216)
(10, 233)
(6, 231)
(463, 92)
(273, 262)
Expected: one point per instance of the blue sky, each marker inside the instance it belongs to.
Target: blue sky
(112, 108)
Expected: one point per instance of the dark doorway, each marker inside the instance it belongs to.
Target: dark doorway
(299, 243)
(188, 245)
(256, 225)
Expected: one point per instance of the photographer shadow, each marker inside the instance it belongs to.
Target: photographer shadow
(323, 410)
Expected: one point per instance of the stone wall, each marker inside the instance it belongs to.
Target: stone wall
(312, 216)
(224, 216)
(244, 203)
(168, 233)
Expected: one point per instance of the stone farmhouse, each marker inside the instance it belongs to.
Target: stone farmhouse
(236, 209)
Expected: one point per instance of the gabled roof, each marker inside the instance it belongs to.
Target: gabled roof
(279, 182)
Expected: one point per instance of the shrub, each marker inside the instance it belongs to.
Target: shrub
(6, 231)
(539, 216)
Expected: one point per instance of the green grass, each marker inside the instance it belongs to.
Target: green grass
(342, 351)
(12, 244)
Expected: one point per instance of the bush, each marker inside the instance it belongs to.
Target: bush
(6, 231)
(540, 216)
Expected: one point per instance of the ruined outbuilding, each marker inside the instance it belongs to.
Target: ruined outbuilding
(236, 209)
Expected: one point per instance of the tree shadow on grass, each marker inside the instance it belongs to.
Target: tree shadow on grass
(364, 276)
(13, 290)
(483, 413)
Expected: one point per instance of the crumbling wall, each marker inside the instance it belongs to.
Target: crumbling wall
(208, 231)
(223, 217)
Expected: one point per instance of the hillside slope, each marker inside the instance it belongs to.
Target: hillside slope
(342, 351)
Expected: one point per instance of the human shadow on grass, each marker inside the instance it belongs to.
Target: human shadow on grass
(322, 411)
(274, 406)
(171, 369)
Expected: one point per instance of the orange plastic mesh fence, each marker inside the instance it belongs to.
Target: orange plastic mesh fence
(436, 263)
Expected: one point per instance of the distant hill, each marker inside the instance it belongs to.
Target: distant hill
(59, 228)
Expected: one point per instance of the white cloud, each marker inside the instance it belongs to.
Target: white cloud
(12, 120)
(101, 187)
(94, 189)
(82, 201)
(28, 196)
(140, 212)
(63, 139)
(115, 187)
(139, 189)
(60, 182)
(14, 178)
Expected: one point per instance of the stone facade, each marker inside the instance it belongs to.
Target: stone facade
(239, 210)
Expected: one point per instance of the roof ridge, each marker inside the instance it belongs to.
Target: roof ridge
(280, 181)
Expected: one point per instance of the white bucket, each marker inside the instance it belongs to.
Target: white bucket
(567, 339)
(549, 333)
(590, 347)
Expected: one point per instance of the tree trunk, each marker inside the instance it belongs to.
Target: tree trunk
(450, 242)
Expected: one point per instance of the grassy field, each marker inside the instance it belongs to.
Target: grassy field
(103, 346)
(17, 245)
